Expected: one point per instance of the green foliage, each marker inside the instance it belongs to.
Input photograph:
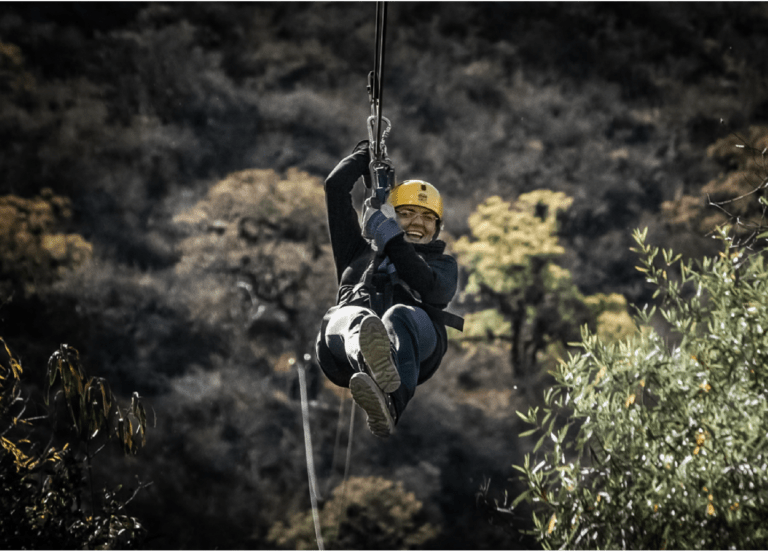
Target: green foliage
(41, 485)
(372, 513)
(660, 443)
(487, 323)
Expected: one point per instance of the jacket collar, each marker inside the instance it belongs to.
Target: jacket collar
(435, 247)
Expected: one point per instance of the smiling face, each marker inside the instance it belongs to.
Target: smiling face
(418, 223)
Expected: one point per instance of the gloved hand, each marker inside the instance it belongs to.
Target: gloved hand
(379, 222)
(387, 209)
(374, 214)
(351, 167)
(363, 149)
(362, 145)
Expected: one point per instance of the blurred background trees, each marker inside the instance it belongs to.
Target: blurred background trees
(33, 250)
(736, 194)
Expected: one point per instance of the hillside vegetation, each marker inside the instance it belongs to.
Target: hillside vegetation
(161, 190)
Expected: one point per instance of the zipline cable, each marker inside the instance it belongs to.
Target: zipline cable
(382, 173)
(313, 493)
(378, 70)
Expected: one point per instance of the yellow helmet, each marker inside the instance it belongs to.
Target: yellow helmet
(417, 193)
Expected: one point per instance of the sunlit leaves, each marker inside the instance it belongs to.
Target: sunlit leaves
(525, 299)
(41, 485)
(506, 237)
(91, 404)
(31, 242)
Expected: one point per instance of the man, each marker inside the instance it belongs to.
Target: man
(386, 333)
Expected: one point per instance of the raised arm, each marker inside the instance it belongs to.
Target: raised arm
(346, 238)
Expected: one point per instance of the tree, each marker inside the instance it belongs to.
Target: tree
(524, 297)
(42, 484)
(660, 443)
(262, 236)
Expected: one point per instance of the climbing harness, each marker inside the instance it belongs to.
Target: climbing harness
(381, 168)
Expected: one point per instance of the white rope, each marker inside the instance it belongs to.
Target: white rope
(313, 493)
(349, 441)
(343, 503)
(337, 442)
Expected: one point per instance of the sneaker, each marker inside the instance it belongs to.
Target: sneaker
(367, 395)
(377, 354)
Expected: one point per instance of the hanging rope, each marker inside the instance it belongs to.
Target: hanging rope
(313, 493)
(343, 501)
(337, 442)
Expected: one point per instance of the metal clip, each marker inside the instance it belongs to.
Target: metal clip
(383, 177)
(384, 135)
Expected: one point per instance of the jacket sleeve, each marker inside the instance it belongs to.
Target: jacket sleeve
(435, 281)
(346, 238)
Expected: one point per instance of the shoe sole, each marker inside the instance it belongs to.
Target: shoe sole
(377, 353)
(369, 397)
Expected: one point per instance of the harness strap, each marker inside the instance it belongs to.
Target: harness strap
(446, 318)
(382, 300)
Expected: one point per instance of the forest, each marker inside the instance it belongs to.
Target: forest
(163, 231)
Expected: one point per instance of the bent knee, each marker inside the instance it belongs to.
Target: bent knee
(407, 314)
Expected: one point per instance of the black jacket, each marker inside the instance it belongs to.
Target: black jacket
(426, 277)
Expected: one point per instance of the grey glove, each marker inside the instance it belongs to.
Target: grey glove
(379, 223)
(374, 214)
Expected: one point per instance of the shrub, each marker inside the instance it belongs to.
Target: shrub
(385, 517)
(655, 443)
(263, 237)
(33, 249)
